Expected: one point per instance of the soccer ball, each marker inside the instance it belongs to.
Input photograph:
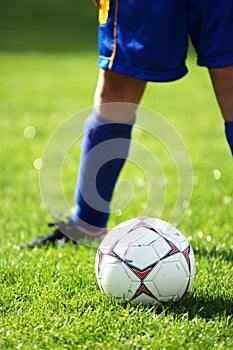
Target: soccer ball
(145, 260)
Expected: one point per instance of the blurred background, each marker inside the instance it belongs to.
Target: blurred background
(48, 26)
(48, 55)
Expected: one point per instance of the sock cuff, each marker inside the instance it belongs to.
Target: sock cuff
(95, 119)
(103, 120)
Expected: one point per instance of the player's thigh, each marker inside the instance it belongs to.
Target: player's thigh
(117, 95)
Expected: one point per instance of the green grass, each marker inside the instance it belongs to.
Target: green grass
(49, 297)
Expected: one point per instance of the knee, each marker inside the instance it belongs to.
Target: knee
(108, 89)
(112, 87)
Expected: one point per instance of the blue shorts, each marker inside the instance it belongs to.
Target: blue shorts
(148, 39)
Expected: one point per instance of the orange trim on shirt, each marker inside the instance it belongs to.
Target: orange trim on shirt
(114, 37)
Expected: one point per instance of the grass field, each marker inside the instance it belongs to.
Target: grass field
(49, 297)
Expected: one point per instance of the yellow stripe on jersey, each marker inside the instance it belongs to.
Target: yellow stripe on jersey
(103, 12)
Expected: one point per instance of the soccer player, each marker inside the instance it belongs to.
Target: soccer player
(141, 41)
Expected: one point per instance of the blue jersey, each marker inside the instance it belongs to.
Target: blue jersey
(148, 39)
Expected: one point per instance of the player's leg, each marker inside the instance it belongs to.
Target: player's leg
(132, 51)
(106, 141)
(222, 79)
(211, 29)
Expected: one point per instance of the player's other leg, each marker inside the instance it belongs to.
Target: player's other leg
(211, 31)
(222, 79)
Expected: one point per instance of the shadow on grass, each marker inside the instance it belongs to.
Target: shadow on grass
(48, 26)
(207, 307)
(193, 307)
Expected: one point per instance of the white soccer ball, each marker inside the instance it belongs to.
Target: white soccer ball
(145, 260)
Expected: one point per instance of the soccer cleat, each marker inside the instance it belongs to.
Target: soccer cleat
(64, 232)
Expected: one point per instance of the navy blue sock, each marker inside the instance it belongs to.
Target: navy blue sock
(229, 134)
(104, 150)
